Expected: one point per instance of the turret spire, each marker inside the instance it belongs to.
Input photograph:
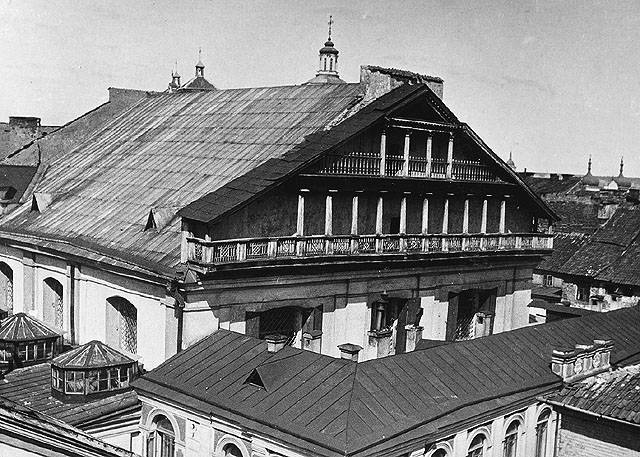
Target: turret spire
(328, 69)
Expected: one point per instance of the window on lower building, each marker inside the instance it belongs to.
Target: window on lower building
(548, 280)
(511, 440)
(583, 293)
(439, 453)
(162, 438)
(277, 321)
(122, 324)
(53, 308)
(476, 448)
(231, 450)
(542, 430)
(6, 288)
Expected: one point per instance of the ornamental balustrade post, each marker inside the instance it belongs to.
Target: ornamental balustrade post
(241, 251)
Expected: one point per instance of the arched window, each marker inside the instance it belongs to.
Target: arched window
(542, 432)
(53, 308)
(330, 64)
(511, 439)
(231, 450)
(439, 453)
(476, 448)
(6, 288)
(162, 438)
(122, 324)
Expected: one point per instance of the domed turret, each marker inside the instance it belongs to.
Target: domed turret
(328, 70)
(621, 181)
(589, 180)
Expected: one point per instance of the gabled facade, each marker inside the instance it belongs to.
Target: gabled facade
(349, 213)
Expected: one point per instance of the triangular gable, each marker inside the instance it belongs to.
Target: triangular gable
(159, 218)
(310, 154)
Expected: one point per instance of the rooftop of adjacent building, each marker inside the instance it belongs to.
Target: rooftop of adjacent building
(347, 406)
(611, 395)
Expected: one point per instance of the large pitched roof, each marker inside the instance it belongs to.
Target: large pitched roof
(162, 153)
(614, 395)
(335, 407)
(32, 387)
(611, 253)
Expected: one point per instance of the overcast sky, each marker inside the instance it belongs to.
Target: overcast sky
(551, 80)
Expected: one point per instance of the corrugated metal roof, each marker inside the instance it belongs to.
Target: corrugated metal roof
(166, 151)
(94, 354)
(346, 407)
(22, 327)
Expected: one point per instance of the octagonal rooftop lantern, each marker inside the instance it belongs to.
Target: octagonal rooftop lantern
(25, 340)
(91, 370)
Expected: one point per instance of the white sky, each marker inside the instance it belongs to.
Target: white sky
(552, 80)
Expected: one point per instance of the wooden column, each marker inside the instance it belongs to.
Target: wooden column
(403, 214)
(328, 213)
(379, 209)
(407, 146)
(300, 220)
(465, 216)
(425, 215)
(503, 215)
(383, 153)
(429, 148)
(483, 224)
(450, 156)
(445, 216)
(354, 214)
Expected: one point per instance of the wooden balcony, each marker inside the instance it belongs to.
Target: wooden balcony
(370, 164)
(213, 253)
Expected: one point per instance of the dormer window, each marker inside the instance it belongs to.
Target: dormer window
(91, 369)
(26, 341)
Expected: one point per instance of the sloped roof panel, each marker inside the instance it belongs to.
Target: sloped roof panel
(166, 151)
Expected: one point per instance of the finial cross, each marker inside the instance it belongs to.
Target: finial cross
(200, 54)
(330, 24)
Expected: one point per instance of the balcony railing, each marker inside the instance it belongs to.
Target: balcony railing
(369, 164)
(243, 250)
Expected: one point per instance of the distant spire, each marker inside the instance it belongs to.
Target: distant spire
(330, 24)
(200, 65)
(510, 162)
(621, 166)
(589, 165)
(175, 79)
(589, 180)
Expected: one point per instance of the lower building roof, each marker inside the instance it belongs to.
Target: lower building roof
(32, 387)
(335, 407)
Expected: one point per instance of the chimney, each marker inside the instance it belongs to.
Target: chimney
(377, 81)
(483, 323)
(583, 361)
(349, 351)
(276, 342)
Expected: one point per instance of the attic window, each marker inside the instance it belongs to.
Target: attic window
(255, 380)
(151, 222)
(7, 193)
(40, 201)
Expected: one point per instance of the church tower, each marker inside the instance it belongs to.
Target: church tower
(328, 69)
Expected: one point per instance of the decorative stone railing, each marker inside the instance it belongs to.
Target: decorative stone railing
(370, 164)
(248, 249)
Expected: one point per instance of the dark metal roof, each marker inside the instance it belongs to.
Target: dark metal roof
(564, 246)
(559, 308)
(551, 185)
(32, 387)
(576, 216)
(94, 354)
(163, 152)
(198, 83)
(614, 395)
(335, 407)
(22, 327)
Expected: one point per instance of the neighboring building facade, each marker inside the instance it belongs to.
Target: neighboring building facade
(600, 415)
(594, 243)
(231, 394)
